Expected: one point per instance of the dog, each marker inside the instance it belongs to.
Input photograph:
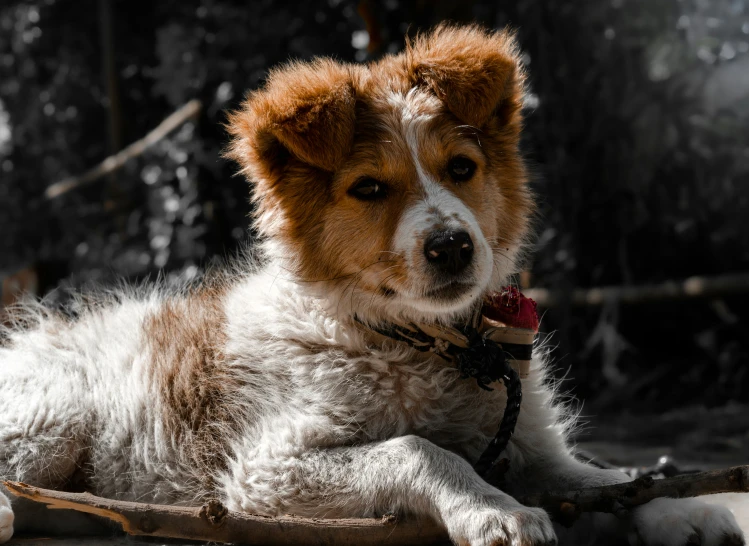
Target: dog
(391, 192)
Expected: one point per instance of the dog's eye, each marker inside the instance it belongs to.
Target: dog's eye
(368, 189)
(461, 168)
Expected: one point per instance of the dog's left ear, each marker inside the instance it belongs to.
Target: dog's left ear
(473, 71)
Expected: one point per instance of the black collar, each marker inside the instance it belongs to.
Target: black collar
(449, 342)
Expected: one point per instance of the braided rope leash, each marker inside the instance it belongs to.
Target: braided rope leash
(493, 366)
(498, 349)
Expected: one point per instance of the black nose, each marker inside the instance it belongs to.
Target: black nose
(450, 251)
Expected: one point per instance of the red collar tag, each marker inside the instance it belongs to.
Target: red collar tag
(511, 308)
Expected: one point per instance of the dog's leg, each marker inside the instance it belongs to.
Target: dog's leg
(6, 519)
(406, 475)
(541, 460)
(46, 458)
(44, 461)
(42, 430)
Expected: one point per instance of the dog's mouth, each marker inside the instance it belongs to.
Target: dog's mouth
(450, 291)
(386, 291)
(447, 292)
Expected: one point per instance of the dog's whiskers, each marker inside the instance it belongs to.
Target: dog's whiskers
(338, 277)
(381, 283)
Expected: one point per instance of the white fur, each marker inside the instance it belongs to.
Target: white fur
(669, 522)
(6, 519)
(328, 422)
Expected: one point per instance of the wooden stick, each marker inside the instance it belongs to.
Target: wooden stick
(617, 499)
(212, 522)
(116, 161)
(693, 287)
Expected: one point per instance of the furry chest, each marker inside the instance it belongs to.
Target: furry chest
(380, 398)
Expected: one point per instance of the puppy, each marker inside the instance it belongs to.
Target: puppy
(393, 192)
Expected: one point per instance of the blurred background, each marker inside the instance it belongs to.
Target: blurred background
(637, 135)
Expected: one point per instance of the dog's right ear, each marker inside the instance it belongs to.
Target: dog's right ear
(305, 109)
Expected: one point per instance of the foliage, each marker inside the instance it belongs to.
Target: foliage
(637, 133)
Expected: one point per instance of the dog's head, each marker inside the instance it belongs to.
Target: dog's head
(396, 188)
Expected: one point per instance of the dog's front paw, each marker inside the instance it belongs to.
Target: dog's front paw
(499, 521)
(6, 519)
(684, 522)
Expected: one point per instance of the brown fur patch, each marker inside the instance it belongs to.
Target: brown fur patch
(195, 389)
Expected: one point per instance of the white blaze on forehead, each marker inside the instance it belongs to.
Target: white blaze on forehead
(416, 109)
(439, 208)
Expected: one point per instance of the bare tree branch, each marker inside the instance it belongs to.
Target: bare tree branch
(212, 522)
(565, 507)
(693, 287)
(116, 161)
